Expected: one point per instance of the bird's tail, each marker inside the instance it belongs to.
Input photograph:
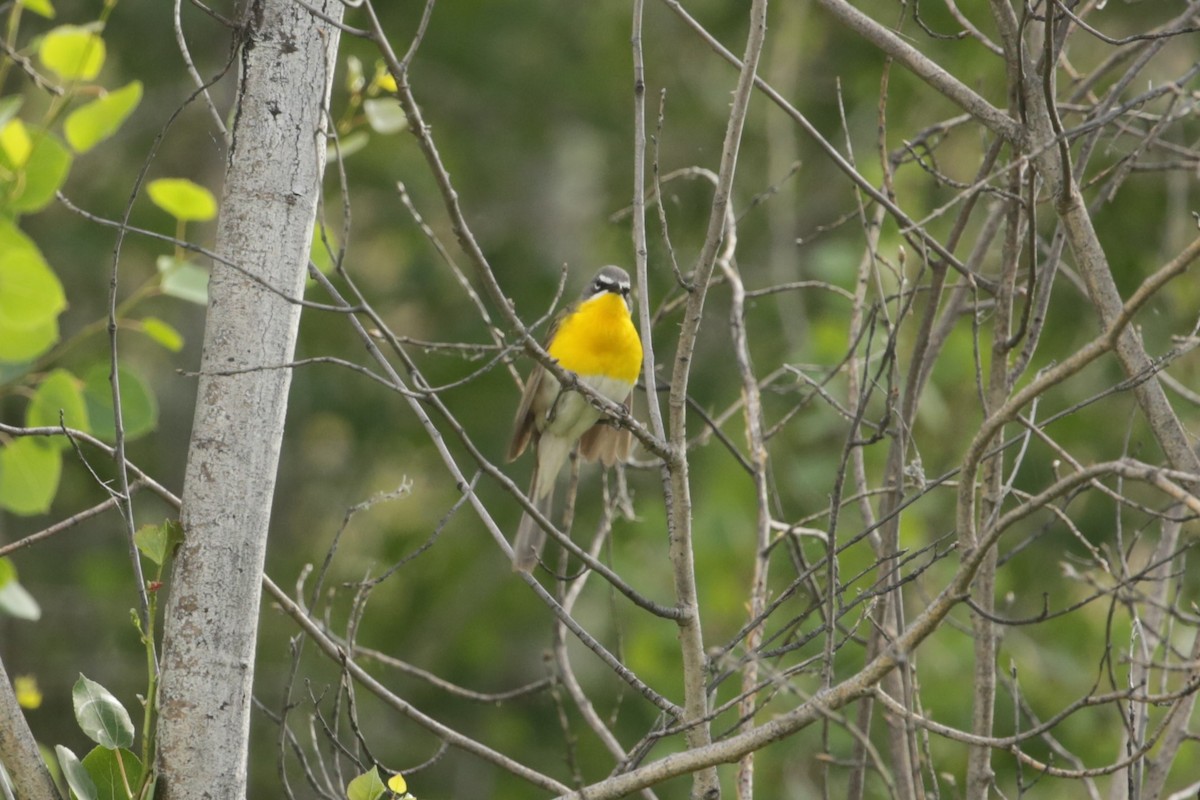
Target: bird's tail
(527, 547)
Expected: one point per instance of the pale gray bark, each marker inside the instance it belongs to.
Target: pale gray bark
(19, 751)
(268, 207)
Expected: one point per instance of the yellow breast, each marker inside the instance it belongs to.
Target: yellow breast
(599, 339)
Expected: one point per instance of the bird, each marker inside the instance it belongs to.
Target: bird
(594, 338)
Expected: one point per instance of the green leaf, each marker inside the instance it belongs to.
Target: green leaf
(15, 143)
(73, 52)
(15, 601)
(58, 391)
(94, 122)
(19, 345)
(105, 771)
(348, 145)
(100, 715)
(397, 784)
(29, 475)
(30, 292)
(41, 7)
(138, 406)
(182, 199)
(383, 81)
(183, 279)
(157, 541)
(320, 253)
(385, 115)
(162, 333)
(367, 786)
(18, 603)
(25, 687)
(31, 187)
(354, 75)
(9, 106)
(78, 779)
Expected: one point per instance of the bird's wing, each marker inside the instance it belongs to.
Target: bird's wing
(524, 424)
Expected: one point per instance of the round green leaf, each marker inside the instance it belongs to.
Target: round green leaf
(100, 715)
(74, 53)
(94, 122)
(31, 187)
(157, 541)
(12, 240)
(31, 298)
(183, 279)
(15, 143)
(30, 293)
(77, 776)
(21, 345)
(138, 406)
(397, 784)
(183, 199)
(59, 392)
(162, 333)
(367, 786)
(105, 771)
(29, 474)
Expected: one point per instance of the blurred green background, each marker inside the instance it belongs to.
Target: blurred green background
(531, 105)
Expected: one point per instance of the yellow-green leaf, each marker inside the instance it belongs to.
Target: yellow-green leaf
(162, 333)
(59, 392)
(27, 691)
(31, 186)
(29, 474)
(9, 106)
(183, 199)
(322, 243)
(72, 52)
(19, 345)
(347, 145)
(30, 293)
(139, 408)
(156, 542)
(16, 144)
(183, 279)
(383, 79)
(354, 75)
(94, 122)
(367, 786)
(397, 784)
(40, 7)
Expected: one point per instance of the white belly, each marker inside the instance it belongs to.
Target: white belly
(570, 417)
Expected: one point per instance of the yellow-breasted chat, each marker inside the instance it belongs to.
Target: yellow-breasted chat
(595, 339)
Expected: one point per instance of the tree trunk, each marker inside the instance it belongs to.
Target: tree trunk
(272, 185)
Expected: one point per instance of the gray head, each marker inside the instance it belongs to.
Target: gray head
(608, 279)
